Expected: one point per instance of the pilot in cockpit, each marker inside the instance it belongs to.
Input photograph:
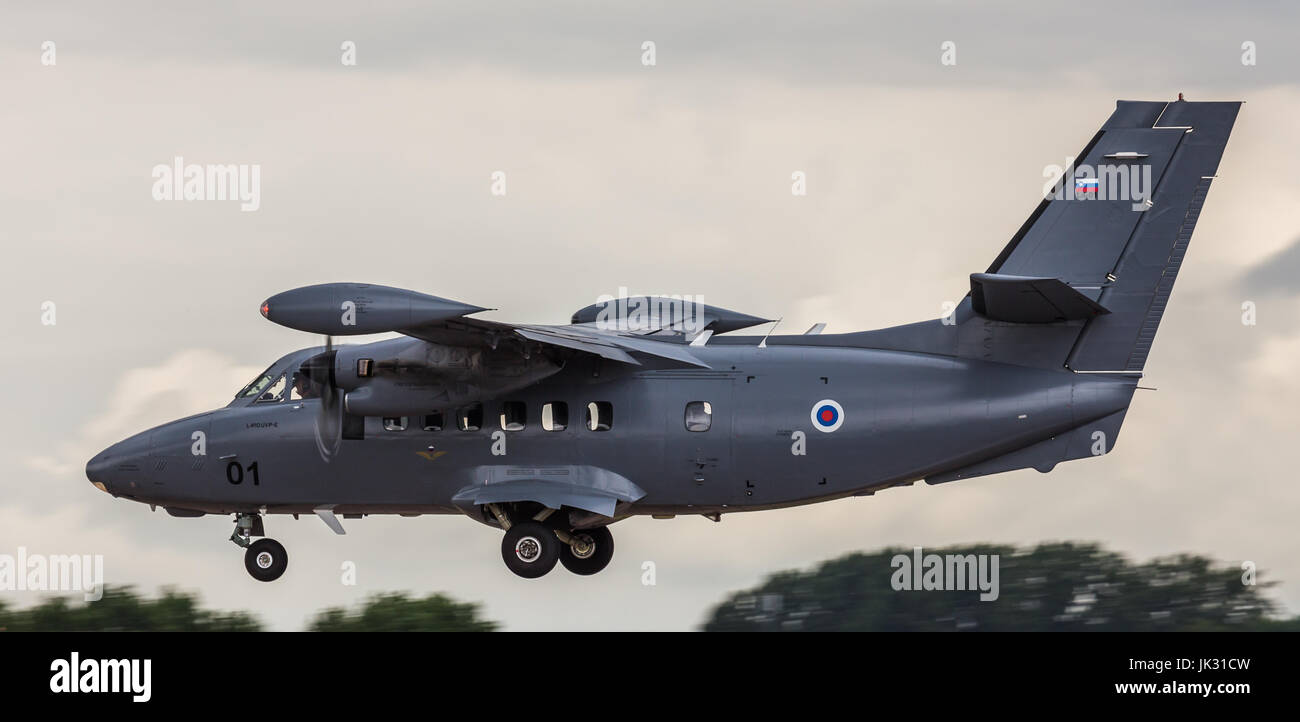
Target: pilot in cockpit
(302, 387)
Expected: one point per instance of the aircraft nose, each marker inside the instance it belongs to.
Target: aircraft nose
(118, 464)
(97, 469)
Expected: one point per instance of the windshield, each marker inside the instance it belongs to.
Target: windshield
(281, 380)
(256, 386)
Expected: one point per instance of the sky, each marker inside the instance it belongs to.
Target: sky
(666, 178)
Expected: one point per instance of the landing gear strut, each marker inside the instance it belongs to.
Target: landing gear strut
(265, 559)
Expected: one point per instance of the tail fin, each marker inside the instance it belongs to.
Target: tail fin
(1114, 232)
(1130, 257)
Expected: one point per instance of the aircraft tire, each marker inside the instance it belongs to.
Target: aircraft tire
(266, 560)
(603, 541)
(530, 549)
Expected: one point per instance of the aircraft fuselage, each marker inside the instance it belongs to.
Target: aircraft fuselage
(905, 416)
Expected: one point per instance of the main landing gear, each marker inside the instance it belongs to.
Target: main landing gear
(532, 547)
(589, 551)
(265, 559)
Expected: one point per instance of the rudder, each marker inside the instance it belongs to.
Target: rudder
(1144, 274)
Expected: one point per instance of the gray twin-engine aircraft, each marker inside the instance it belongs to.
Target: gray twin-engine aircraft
(653, 406)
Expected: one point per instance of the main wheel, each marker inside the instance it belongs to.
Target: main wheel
(266, 560)
(590, 551)
(530, 549)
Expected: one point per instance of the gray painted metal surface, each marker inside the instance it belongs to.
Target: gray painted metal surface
(459, 415)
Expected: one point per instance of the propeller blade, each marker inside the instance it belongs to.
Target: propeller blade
(329, 430)
(319, 369)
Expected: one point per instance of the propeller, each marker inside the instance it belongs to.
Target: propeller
(319, 369)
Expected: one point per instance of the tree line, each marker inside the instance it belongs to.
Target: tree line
(1064, 586)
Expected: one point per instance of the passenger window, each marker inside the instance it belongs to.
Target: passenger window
(600, 415)
(470, 418)
(555, 416)
(513, 415)
(273, 393)
(394, 423)
(433, 422)
(699, 416)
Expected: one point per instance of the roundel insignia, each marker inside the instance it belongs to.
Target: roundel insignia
(827, 415)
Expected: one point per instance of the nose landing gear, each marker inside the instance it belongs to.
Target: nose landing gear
(265, 559)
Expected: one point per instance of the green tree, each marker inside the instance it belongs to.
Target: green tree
(397, 612)
(122, 610)
(1051, 587)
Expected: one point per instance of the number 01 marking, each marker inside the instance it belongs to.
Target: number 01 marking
(235, 473)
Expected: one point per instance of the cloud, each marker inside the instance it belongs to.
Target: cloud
(1277, 275)
(673, 179)
(1275, 364)
(1008, 44)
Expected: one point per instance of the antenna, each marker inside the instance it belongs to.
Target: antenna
(763, 343)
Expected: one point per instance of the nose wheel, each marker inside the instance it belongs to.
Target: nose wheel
(266, 560)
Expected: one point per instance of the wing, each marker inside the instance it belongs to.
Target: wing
(345, 309)
(583, 338)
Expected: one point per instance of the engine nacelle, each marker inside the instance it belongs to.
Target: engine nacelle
(399, 377)
(652, 313)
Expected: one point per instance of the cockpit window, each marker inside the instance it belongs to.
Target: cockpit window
(257, 386)
(274, 392)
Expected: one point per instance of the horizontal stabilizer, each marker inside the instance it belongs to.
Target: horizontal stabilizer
(1026, 299)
